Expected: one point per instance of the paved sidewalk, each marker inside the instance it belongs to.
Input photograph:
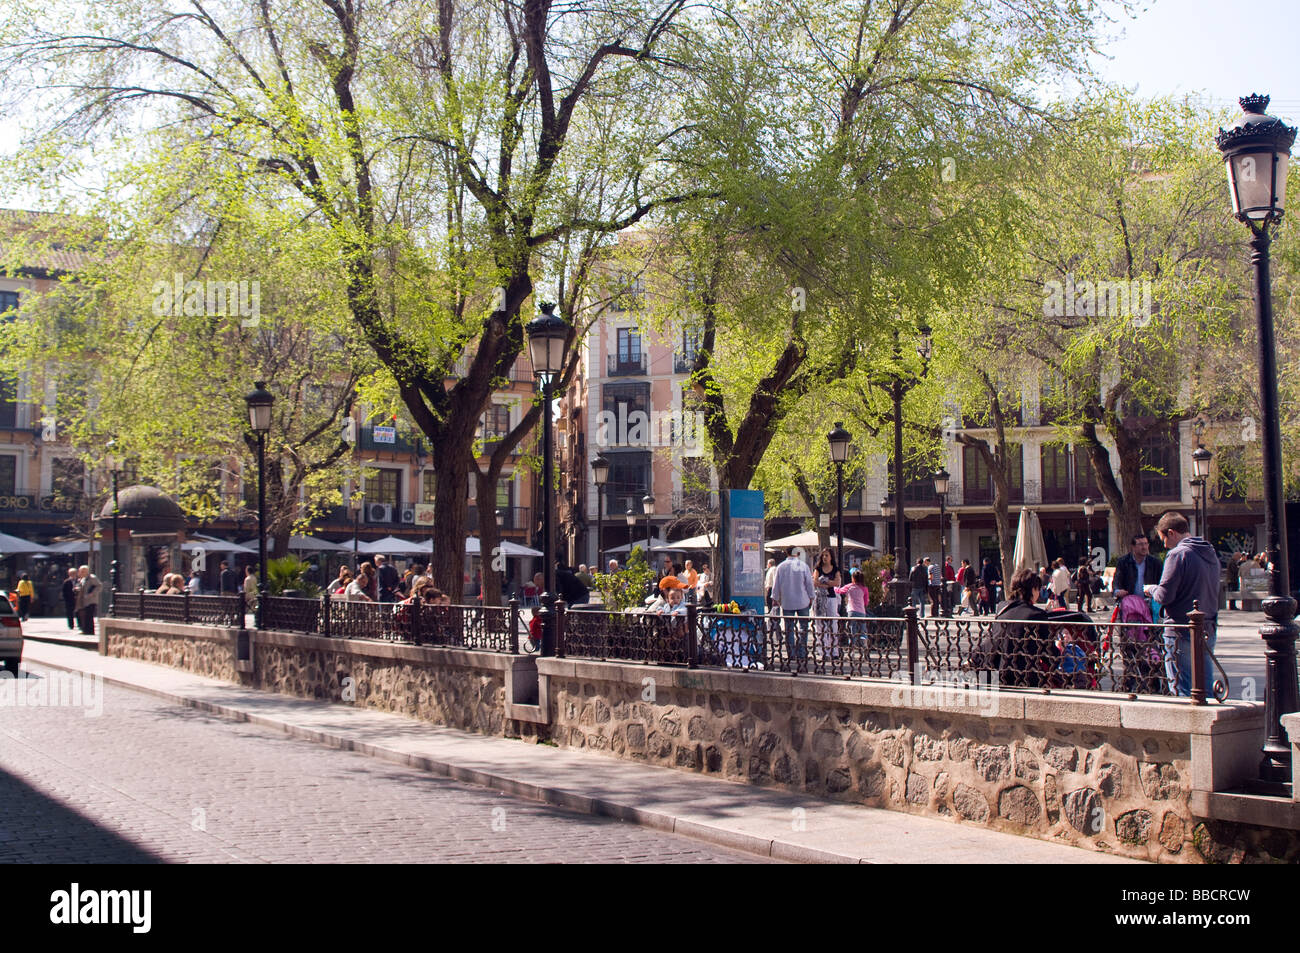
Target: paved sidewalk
(777, 824)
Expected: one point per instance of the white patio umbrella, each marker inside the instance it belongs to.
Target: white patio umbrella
(392, 545)
(1030, 551)
(473, 548)
(201, 543)
(14, 546)
(71, 546)
(304, 544)
(692, 543)
(808, 540)
(658, 546)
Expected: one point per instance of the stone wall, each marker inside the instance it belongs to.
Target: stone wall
(1059, 767)
(193, 648)
(453, 687)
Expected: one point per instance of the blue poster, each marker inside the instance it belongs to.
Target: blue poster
(742, 531)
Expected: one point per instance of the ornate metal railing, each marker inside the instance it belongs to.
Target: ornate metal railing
(290, 615)
(1067, 651)
(226, 611)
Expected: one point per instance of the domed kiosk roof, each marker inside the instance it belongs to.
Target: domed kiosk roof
(143, 509)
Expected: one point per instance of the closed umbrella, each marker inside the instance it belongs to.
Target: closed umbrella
(1030, 551)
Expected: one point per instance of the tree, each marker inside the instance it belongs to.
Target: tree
(155, 344)
(436, 150)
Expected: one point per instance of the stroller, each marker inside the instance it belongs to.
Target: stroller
(1140, 648)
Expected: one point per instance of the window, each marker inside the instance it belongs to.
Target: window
(386, 487)
(67, 478)
(429, 486)
(1161, 473)
(496, 422)
(8, 476)
(629, 480)
(978, 483)
(1056, 474)
(635, 396)
(8, 305)
(629, 345)
(505, 495)
(8, 404)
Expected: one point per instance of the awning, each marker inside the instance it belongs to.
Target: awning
(809, 540)
(13, 546)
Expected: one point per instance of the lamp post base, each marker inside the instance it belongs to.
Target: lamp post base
(1281, 696)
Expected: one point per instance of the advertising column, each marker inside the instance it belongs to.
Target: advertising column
(742, 548)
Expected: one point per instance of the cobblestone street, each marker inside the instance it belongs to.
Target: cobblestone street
(149, 781)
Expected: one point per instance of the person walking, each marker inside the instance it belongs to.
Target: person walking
(769, 579)
(1083, 582)
(250, 589)
(70, 597)
(934, 587)
(1234, 577)
(229, 579)
(1190, 576)
(919, 578)
(989, 582)
(826, 578)
(25, 592)
(88, 588)
(390, 580)
(792, 592)
(1060, 585)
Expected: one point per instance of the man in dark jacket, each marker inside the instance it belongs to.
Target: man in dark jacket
(70, 597)
(389, 579)
(229, 579)
(1136, 570)
(920, 580)
(1191, 575)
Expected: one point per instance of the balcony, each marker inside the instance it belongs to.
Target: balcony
(695, 501)
(683, 363)
(621, 365)
(514, 519)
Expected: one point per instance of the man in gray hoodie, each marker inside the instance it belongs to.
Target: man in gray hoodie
(1191, 575)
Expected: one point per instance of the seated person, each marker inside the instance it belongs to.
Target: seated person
(675, 604)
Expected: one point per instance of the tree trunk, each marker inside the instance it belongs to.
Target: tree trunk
(488, 537)
(451, 508)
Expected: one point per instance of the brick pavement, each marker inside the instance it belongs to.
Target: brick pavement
(151, 781)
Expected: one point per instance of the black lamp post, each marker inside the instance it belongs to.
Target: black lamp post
(941, 478)
(115, 465)
(1257, 150)
(839, 439)
(355, 503)
(259, 418)
(1089, 507)
(548, 334)
(648, 507)
(600, 476)
(899, 386)
(631, 528)
(1201, 468)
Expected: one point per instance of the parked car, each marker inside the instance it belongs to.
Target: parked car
(11, 637)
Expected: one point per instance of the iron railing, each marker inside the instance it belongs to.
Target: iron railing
(226, 611)
(290, 615)
(1070, 652)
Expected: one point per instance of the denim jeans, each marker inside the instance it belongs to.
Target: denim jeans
(918, 600)
(1178, 658)
(796, 633)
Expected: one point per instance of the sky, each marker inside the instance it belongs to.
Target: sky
(1222, 49)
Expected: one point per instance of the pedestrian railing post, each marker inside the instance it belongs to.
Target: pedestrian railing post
(692, 643)
(913, 644)
(142, 602)
(560, 611)
(1197, 619)
(323, 623)
(416, 611)
(512, 642)
(186, 595)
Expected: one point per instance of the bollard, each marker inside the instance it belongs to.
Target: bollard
(561, 610)
(142, 602)
(1197, 618)
(546, 615)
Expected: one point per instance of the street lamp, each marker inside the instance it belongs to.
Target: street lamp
(600, 476)
(1089, 508)
(899, 385)
(839, 439)
(259, 418)
(355, 503)
(1201, 468)
(115, 464)
(548, 335)
(1257, 150)
(648, 507)
(941, 478)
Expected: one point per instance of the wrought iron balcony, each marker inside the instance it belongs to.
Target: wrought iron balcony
(622, 365)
